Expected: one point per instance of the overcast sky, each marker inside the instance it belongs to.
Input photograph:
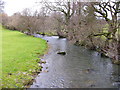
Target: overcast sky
(12, 6)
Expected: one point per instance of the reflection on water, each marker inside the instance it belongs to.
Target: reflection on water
(80, 68)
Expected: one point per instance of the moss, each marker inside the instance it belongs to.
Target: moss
(116, 62)
(47, 33)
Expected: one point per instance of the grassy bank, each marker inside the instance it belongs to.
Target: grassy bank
(20, 58)
(0, 54)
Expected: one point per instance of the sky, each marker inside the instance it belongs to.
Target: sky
(13, 6)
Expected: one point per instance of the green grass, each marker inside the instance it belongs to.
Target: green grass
(0, 54)
(20, 58)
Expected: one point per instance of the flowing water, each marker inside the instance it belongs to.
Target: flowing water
(79, 68)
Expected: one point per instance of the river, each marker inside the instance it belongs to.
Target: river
(79, 68)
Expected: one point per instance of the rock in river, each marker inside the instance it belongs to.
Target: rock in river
(61, 52)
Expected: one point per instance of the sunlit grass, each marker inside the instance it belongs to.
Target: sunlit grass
(0, 54)
(19, 57)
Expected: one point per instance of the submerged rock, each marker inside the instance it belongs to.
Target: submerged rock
(89, 70)
(117, 83)
(43, 62)
(62, 53)
(92, 85)
(104, 55)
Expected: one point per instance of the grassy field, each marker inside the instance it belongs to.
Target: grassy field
(20, 58)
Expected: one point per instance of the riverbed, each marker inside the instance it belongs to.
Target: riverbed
(79, 68)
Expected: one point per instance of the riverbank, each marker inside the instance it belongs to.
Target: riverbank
(109, 52)
(20, 57)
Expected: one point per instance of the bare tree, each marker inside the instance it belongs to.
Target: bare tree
(1, 6)
(112, 8)
(4, 19)
(65, 7)
(104, 9)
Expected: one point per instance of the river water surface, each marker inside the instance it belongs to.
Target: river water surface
(79, 68)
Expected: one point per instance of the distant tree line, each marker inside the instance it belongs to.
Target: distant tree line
(91, 24)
